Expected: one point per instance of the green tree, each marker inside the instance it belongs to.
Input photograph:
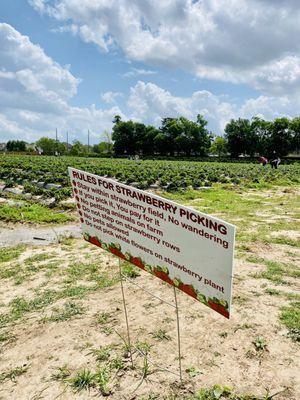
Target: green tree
(51, 146)
(123, 135)
(103, 148)
(16, 145)
(219, 146)
(294, 127)
(240, 137)
(262, 131)
(78, 149)
(281, 137)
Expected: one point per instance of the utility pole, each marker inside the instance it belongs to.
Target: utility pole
(88, 141)
(67, 142)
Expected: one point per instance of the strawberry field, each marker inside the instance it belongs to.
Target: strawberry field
(34, 173)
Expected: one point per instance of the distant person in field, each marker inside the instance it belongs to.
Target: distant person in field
(263, 160)
(275, 162)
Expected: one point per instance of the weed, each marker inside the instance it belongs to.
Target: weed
(107, 330)
(102, 354)
(101, 379)
(38, 258)
(77, 291)
(116, 364)
(243, 326)
(214, 393)
(192, 371)
(6, 337)
(294, 334)
(273, 292)
(61, 374)
(146, 367)
(260, 343)
(70, 310)
(11, 253)
(84, 379)
(161, 334)
(143, 347)
(290, 315)
(103, 318)
(223, 334)
(126, 345)
(14, 373)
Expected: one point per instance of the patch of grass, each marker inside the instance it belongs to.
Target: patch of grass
(102, 354)
(260, 343)
(290, 315)
(61, 373)
(107, 330)
(12, 271)
(255, 259)
(161, 334)
(101, 379)
(116, 364)
(214, 393)
(143, 347)
(240, 299)
(88, 271)
(32, 213)
(69, 311)
(38, 258)
(6, 337)
(103, 318)
(66, 240)
(192, 371)
(84, 379)
(105, 281)
(286, 241)
(20, 306)
(273, 292)
(277, 272)
(11, 253)
(243, 327)
(13, 373)
(130, 270)
(77, 291)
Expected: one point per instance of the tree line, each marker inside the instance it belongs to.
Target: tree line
(183, 137)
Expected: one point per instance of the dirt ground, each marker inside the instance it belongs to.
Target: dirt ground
(44, 346)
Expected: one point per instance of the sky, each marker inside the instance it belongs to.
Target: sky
(72, 65)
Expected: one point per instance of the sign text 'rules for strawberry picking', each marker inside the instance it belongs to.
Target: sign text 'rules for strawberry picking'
(185, 248)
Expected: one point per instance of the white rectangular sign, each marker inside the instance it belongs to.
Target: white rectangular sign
(188, 249)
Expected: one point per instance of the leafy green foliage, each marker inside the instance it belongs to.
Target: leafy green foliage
(171, 175)
(31, 213)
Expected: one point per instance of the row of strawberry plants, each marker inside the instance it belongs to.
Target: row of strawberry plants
(143, 174)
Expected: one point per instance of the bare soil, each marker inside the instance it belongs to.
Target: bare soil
(220, 351)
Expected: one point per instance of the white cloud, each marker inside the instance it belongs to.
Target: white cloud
(111, 97)
(240, 41)
(35, 93)
(134, 72)
(150, 103)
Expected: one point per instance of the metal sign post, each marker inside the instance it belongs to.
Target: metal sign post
(125, 311)
(178, 334)
(123, 277)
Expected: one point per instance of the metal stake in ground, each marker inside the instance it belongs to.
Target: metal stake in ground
(125, 311)
(178, 334)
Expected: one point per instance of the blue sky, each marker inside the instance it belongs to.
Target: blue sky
(74, 64)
